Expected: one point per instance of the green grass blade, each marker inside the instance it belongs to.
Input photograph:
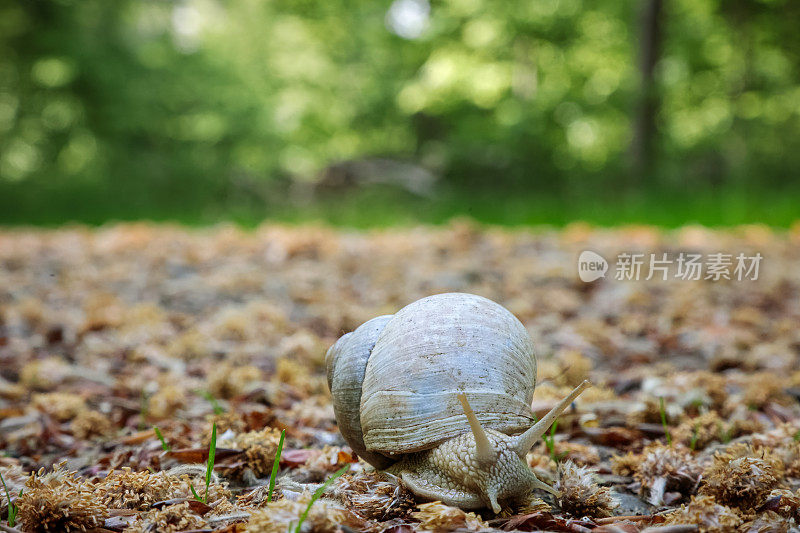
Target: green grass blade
(212, 450)
(275, 465)
(218, 409)
(317, 494)
(8, 496)
(144, 404)
(196, 496)
(12, 509)
(164, 446)
(550, 441)
(664, 421)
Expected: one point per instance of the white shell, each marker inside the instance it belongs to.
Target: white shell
(434, 349)
(346, 362)
(422, 358)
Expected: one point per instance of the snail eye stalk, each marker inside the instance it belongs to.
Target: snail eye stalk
(524, 442)
(486, 452)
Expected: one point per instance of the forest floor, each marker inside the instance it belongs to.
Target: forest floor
(123, 347)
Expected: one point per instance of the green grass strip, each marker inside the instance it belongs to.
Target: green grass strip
(215, 405)
(275, 465)
(664, 421)
(164, 446)
(695, 435)
(318, 494)
(212, 450)
(12, 509)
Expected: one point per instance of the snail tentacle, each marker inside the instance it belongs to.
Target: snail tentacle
(524, 442)
(485, 451)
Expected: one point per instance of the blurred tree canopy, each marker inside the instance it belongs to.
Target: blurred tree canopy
(147, 105)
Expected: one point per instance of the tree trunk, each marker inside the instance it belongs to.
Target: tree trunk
(644, 126)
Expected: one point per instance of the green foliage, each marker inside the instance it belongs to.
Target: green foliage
(550, 442)
(727, 436)
(693, 441)
(198, 109)
(215, 405)
(317, 494)
(212, 449)
(275, 465)
(164, 446)
(144, 406)
(663, 411)
(12, 508)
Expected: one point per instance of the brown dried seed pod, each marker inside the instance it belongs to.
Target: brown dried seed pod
(438, 517)
(580, 494)
(659, 469)
(323, 517)
(374, 495)
(60, 503)
(90, 424)
(168, 519)
(742, 476)
(705, 512)
(125, 489)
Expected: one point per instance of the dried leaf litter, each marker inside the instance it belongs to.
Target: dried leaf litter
(108, 333)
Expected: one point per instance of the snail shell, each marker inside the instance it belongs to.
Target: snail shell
(395, 380)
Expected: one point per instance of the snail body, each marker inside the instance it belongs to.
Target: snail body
(439, 394)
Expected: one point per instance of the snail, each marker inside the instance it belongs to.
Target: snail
(439, 394)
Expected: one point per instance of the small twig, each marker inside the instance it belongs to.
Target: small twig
(632, 518)
(9, 529)
(674, 528)
(222, 518)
